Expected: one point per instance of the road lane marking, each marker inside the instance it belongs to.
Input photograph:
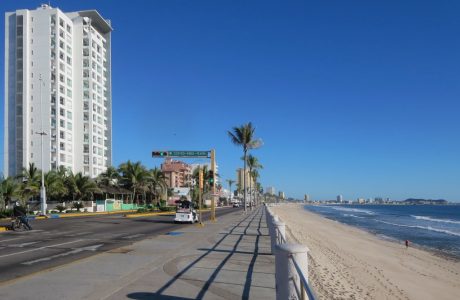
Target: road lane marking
(23, 244)
(74, 251)
(78, 233)
(11, 239)
(41, 248)
(133, 236)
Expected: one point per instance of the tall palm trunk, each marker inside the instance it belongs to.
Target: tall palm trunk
(244, 181)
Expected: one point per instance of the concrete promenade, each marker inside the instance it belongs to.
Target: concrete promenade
(228, 259)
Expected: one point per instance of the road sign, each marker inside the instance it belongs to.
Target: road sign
(194, 154)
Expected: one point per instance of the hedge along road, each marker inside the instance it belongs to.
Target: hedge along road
(55, 242)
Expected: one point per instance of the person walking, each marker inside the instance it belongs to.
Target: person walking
(20, 213)
(407, 244)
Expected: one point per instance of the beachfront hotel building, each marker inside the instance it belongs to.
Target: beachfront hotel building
(57, 82)
(178, 174)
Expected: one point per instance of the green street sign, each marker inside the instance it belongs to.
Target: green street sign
(195, 154)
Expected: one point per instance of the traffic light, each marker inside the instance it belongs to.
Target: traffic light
(211, 178)
(159, 153)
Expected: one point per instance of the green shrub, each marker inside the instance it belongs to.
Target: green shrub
(78, 206)
(69, 211)
(6, 213)
(141, 210)
(60, 208)
(162, 203)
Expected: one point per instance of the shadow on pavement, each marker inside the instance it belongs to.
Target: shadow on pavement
(260, 214)
(148, 296)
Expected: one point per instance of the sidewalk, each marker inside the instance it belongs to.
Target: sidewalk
(228, 259)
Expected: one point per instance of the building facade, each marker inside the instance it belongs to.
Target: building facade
(270, 190)
(178, 174)
(57, 87)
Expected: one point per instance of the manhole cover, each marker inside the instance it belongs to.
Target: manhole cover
(173, 233)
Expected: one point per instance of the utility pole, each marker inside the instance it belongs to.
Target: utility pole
(200, 190)
(42, 133)
(213, 190)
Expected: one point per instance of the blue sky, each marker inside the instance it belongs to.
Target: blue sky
(359, 98)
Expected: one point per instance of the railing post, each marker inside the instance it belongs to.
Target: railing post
(285, 273)
(280, 231)
(272, 231)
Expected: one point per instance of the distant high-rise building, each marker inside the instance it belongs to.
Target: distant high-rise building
(340, 198)
(270, 190)
(281, 195)
(306, 198)
(58, 83)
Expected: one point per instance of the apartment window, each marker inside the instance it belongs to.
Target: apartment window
(62, 157)
(85, 52)
(69, 93)
(61, 123)
(94, 150)
(69, 82)
(69, 30)
(62, 146)
(69, 60)
(69, 115)
(61, 100)
(61, 45)
(69, 125)
(61, 134)
(61, 22)
(61, 112)
(85, 148)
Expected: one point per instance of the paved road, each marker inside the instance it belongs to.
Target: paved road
(55, 242)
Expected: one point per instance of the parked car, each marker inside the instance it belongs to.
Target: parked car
(236, 204)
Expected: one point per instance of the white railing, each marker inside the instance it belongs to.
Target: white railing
(291, 263)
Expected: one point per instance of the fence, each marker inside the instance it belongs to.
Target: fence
(291, 262)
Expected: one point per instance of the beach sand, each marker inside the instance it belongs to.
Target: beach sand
(349, 263)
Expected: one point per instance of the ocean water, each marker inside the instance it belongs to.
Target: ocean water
(433, 227)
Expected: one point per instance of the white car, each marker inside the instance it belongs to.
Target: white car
(236, 204)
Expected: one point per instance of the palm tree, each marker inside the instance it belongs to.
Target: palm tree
(156, 182)
(243, 136)
(230, 183)
(55, 185)
(254, 165)
(8, 188)
(84, 187)
(134, 176)
(109, 178)
(31, 179)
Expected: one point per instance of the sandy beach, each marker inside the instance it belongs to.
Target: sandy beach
(349, 263)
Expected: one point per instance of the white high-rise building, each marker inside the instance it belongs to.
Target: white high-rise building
(57, 81)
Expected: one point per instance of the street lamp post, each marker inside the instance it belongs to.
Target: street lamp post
(42, 133)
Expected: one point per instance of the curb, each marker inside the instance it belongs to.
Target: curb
(149, 214)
